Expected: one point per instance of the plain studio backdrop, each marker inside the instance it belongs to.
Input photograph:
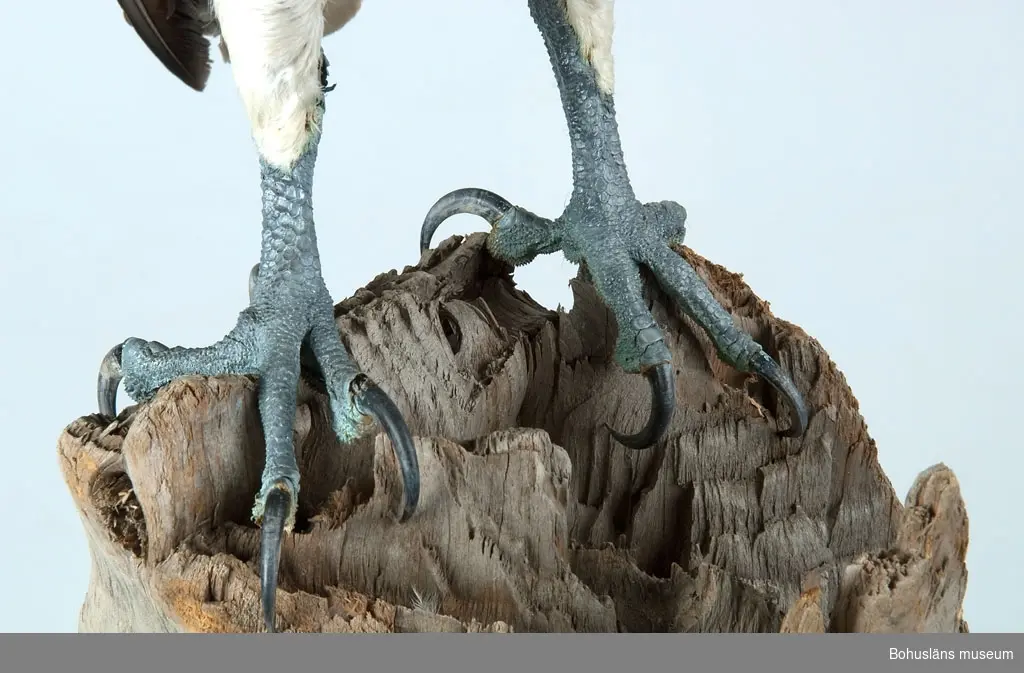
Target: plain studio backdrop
(858, 162)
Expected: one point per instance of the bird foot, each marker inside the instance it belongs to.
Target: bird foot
(615, 237)
(286, 317)
(613, 233)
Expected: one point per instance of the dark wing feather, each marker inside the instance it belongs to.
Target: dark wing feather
(174, 33)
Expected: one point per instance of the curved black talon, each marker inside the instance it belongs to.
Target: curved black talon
(108, 380)
(768, 369)
(110, 377)
(471, 201)
(375, 402)
(275, 512)
(663, 404)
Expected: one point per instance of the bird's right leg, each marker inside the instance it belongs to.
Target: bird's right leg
(279, 69)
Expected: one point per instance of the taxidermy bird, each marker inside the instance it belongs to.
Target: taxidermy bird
(280, 71)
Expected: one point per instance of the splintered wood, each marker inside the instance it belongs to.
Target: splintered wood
(531, 518)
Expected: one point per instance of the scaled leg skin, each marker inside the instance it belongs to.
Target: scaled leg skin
(290, 311)
(605, 225)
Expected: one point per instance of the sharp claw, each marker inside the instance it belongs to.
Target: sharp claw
(663, 404)
(111, 374)
(768, 369)
(108, 380)
(275, 513)
(372, 400)
(470, 200)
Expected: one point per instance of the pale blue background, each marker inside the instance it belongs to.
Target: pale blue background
(859, 162)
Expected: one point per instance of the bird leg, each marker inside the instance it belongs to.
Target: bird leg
(608, 229)
(290, 312)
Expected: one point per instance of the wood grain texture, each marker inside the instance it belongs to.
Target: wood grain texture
(531, 518)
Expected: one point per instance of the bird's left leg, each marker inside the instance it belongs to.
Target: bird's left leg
(605, 226)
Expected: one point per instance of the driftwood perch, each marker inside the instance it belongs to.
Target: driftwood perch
(531, 518)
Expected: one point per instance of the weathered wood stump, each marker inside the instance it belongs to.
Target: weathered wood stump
(531, 518)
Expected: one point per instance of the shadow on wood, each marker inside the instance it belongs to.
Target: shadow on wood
(531, 518)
